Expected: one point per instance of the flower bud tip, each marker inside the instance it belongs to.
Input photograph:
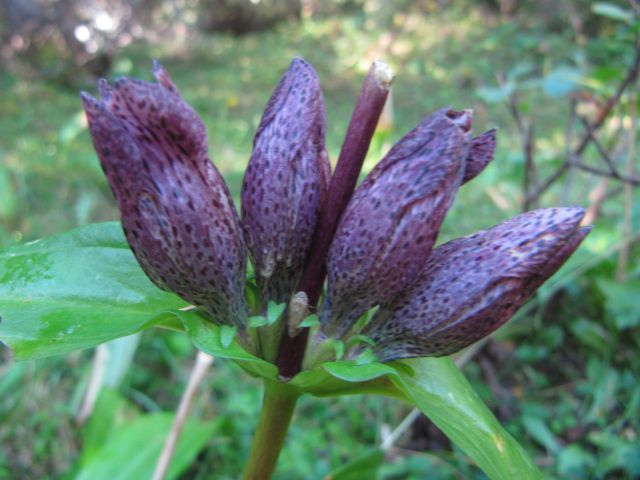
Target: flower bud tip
(383, 73)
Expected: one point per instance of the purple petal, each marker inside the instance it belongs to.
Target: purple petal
(286, 181)
(472, 285)
(176, 211)
(390, 224)
(480, 154)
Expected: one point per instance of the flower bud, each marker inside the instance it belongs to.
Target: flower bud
(285, 182)
(472, 285)
(177, 214)
(480, 154)
(390, 224)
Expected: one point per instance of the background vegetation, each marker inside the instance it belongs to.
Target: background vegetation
(563, 376)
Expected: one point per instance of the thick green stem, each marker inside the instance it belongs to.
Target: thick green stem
(278, 404)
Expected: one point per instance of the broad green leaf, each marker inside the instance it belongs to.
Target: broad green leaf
(496, 94)
(538, 430)
(132, 451)
(561, 81)
(110, 413)
(364, 466)
(621, 301)
(442, 393)
(75, 291)
(613, 11)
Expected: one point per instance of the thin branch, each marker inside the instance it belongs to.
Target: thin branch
(203, 361)
(631, 76)
(627, 220)
(601, 150)
(604, 173)
(568, 142)
(525, 131)
(100, 359)
(530, 173)
(402, 427)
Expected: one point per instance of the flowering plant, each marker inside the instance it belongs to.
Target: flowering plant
(391, 299)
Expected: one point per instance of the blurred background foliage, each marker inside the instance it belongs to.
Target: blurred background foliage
(563, 376)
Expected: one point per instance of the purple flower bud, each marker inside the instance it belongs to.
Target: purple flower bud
(480, 154)
(472, 285)
(176, 211)
(286, 181)
(389, 226)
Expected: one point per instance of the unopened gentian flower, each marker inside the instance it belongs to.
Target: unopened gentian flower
(286, 182)
(472, 285)
(389, 226)
(177, 214)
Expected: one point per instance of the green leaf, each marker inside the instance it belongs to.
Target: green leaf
(338, 346)
(351, 371)
(496, 94)
(561, 81)
(75, 291)
(540, 432)
(274, 310)
(356, 339)
(208, 337)
(574, 462)
(132, 451)
(110, 413)
(621, 301)
(613, 11)
(227, 334)
(438, 388)
(364, 466)
(257, 321)
(311, 321)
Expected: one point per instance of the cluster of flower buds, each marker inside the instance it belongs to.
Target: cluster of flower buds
(183, 228)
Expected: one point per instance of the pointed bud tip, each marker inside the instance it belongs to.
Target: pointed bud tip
(491, 133)
(573, 213)
(104, 88)
(463, 118)
(162, 76)
(383, 73)
(298, 63)
(90, 103)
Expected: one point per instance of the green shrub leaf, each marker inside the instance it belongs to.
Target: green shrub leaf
(438, 388)
(74, 291)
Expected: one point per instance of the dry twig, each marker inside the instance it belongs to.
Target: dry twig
(203, 361)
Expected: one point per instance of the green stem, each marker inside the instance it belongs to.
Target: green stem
(278, 404)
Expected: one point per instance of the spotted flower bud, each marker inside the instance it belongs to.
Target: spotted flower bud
(388, 228)
(285, 182)
(472, 285)
(480, 154)
(177, 214)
